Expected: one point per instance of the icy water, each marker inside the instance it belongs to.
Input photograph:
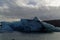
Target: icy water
(23, 36)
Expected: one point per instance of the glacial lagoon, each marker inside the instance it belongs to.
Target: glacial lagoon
(30, 36)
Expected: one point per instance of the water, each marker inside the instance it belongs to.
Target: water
(23, 36)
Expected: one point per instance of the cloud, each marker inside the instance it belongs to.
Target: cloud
(43, 9)
(32, 3)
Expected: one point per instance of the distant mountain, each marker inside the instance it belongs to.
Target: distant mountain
(53, 22)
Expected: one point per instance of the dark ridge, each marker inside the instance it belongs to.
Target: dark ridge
(53, 22)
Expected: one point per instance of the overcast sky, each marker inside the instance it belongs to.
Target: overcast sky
(43, 9)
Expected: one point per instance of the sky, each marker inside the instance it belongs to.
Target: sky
(43, 9)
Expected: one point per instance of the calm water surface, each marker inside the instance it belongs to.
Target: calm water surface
(23, 36)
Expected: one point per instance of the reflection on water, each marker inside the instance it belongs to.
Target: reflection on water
(22, 36)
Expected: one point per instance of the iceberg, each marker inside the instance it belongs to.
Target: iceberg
(28, 26)
(5, 27)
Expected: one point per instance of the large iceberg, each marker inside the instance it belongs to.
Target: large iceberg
(4, 27)
(28, 26)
